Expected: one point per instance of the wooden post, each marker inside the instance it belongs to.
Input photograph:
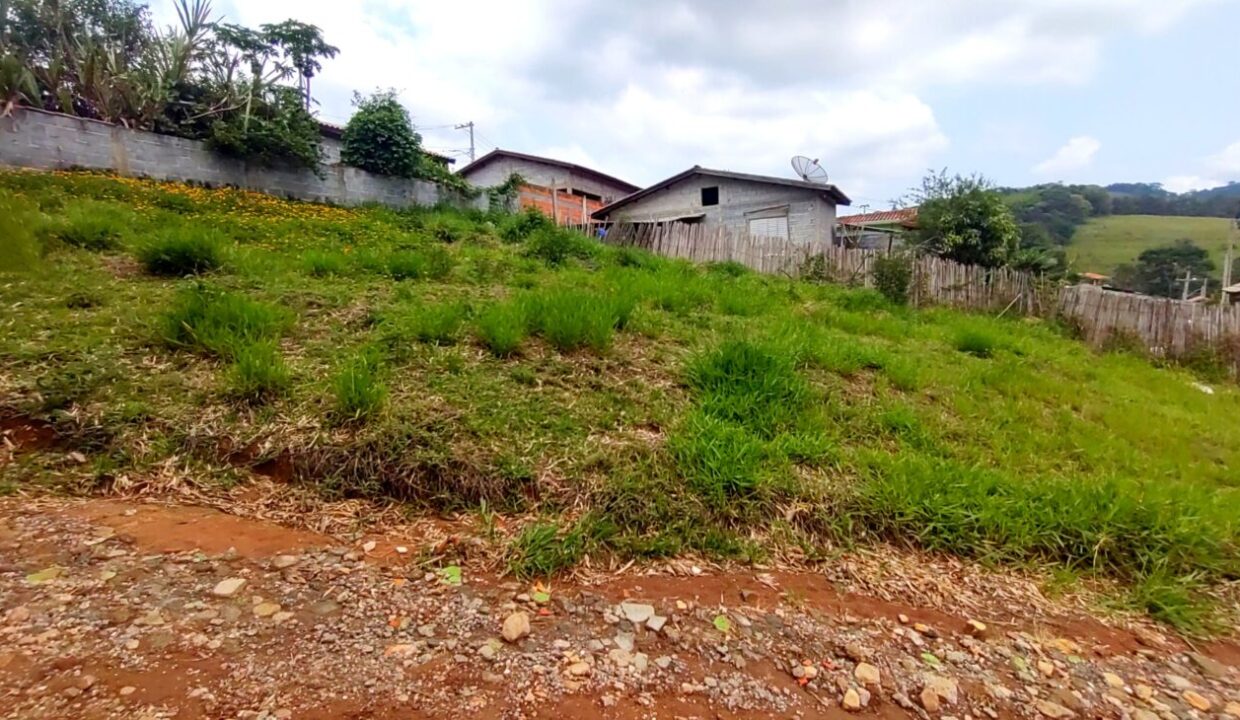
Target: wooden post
(555, 204)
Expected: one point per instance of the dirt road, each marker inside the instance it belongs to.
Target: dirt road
(115, 609)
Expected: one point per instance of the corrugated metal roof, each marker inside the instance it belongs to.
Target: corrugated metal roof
(903, 216)
(826, 188)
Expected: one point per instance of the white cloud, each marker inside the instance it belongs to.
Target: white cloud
(1076, 154)
(1227, 161)
(1185, 183)
(645, 88)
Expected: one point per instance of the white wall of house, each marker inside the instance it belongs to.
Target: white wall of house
(496, 172)
(810, 216)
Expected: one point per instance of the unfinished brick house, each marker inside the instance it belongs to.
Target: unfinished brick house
(578, 191)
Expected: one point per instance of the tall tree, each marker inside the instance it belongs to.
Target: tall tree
(965, 219)
(1161, 270)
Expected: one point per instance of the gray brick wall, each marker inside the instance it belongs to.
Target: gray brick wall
(811, 217)
(50, 141)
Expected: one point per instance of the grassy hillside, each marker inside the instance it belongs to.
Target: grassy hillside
(632, 405)
(1104, 242)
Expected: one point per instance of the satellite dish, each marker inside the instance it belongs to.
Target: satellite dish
(809, 170)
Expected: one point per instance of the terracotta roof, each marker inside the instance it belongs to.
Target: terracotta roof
(498, 153)
(826, 188)
(904, 216)
(1095, 276)
(332, 130)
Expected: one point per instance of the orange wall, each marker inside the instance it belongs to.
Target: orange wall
(568, 207)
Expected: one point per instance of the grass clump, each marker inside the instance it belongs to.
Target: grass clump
(750, 386)
(359, 391)
(431, 263)
(92, 226)
(182, 251)
(975, 341)
(259, 372)
(219, 323)
(324, 263)
(502, 327)
(439, 324)
(542, 549)
(572, 319)
(520, 226)
(893, 276)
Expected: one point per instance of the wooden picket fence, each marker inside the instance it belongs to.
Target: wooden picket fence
(1167, 328)
(935, 280)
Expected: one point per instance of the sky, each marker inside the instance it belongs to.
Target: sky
(880, 91)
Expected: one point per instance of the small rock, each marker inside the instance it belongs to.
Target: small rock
(427, 630)
(1113, 680)
(656, 623)
(867, 675)
(944, 687)
(1178, 683)
(902, 618)
(127, 690)
(641, 662)
(852, 700)
(620, 657)
(488, 650)
(1232, 709)
(1046, 667)
(516, 626)
(560, 644)
(579, 669)
(1197, 700)
(280, 562)
(324, 607)
(266, 609)
(369, 545)
(282, 617)
(663, 662)
(625, 641)
(1052, 710)
(930, 700)
(401, 549)
(228, 587)
(283, 714)
(1145, 692)
(636, 613)
(1208, 665)
(977, 628)
(85, 682)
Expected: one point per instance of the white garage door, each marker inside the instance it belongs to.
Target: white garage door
(772, 227)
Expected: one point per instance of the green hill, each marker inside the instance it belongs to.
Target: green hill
(561, 399)
(1104, 242)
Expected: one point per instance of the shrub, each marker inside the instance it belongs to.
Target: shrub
(219, 323)
(502, 327)
(893, 274)
(520, 226)
(631, 257)
(379, 138)
(92, 226)
(359, 391)
(258, 372)
(556, 246)
(182, 251)
(975, 342)
(277, 132)
(19, 223)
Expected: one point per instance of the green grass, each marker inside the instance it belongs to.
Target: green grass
(1105, 242)
(181, 251)
(639, 406)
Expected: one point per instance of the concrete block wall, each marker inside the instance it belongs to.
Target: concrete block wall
(51, 141)
(811, 218)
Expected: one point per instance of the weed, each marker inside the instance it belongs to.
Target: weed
(721, 461)
(519, 227)
(359, 391)
(1175, 601)
(893, 274)
(728, 269)
(541, 550)
(750, 386)
(502, 327)
(219, 323)
(83, 300)
(181, 251)
(432, 263)
(259, 372)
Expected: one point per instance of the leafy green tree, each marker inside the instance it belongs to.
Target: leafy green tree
(380, 137)
(1161, 270)
(965, 219)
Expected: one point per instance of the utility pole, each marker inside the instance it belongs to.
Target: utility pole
(1231, 252)
(469, 125)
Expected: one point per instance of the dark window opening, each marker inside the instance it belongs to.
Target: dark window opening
(710, 196)
(586, 195)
